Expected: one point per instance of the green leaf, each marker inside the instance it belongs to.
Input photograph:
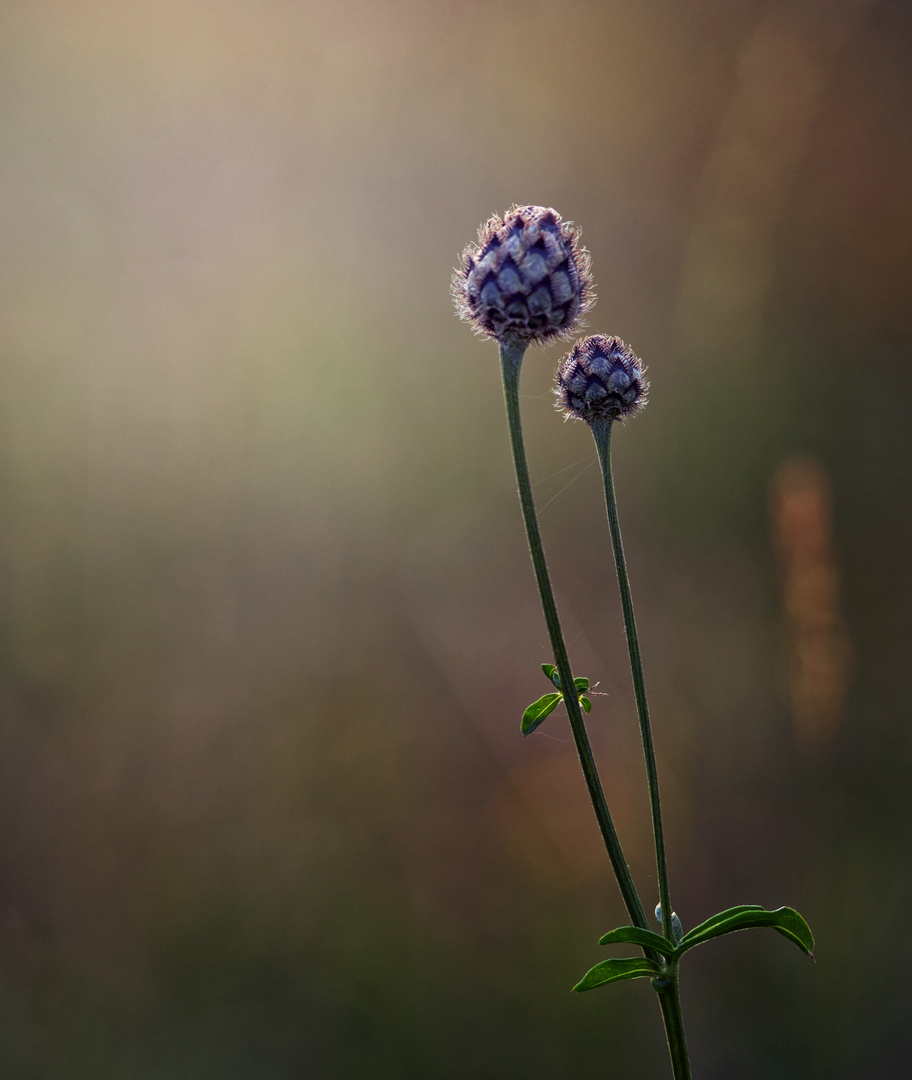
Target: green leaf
(746, 916)
(633, 935)
(609, 971)
(582, 683)
(551, 671)
(721, 917)
(538, 711)
(586, 703)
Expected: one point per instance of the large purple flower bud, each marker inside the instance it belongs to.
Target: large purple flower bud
(601, 379)
(528, 277)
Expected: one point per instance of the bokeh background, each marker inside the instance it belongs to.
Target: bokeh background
(268, 622)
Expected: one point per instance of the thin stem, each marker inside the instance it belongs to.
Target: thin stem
(668, 997)
(511, 355)
(602, 432)
(670, 1004)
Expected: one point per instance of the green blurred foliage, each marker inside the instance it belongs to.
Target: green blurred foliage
(267, 619)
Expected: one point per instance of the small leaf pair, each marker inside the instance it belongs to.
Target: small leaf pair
(785, 919)
(541, 709)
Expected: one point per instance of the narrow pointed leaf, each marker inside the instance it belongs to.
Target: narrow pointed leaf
(586, 703)
(609, 971)
(711, 927)
(785, 919)
(582, 683)
(538, 711)
(633, 935)
(721, 917)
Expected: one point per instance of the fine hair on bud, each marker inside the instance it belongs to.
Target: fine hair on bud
(527, 278)
(601, 378)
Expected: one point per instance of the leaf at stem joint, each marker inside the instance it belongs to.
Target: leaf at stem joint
(609, 971)
(539, 711)
(746, 916)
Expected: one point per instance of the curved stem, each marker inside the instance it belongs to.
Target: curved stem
(511, 355)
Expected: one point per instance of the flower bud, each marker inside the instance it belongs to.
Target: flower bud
(677, 930)
(527, 278)
(601, 379)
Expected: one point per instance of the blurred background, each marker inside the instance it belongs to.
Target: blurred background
(268, 622)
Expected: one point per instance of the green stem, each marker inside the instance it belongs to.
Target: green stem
(670, 1004)
(511, 355)
(601, 429)
(669, 998)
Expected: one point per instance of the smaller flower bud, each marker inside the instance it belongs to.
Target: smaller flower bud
(677, 930)
(527, 278)
(601, 379)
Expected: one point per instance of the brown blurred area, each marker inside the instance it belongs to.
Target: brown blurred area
(819, 653)
(267, 623)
